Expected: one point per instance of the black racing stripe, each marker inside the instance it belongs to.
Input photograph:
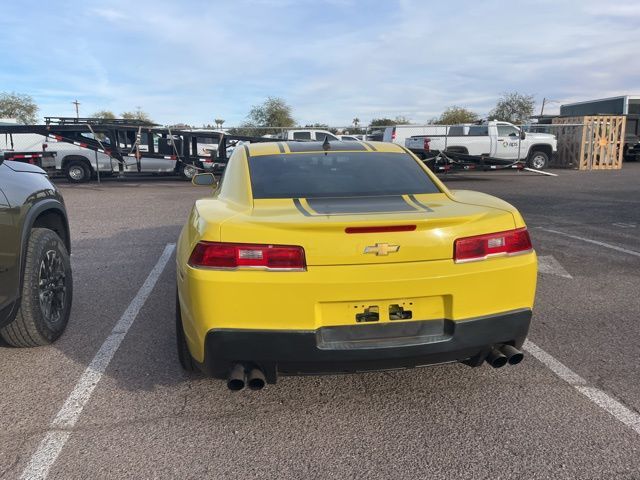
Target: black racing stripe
(370, 146)
(296, 202)
(359, 205)
(300, 147)
(281, 147)
(413, 198)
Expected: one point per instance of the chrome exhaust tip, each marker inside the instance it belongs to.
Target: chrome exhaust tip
(255, 379)
(236, 379)
(514, 356)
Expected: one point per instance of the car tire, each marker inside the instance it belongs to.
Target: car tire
(538, 160)
(188, 171)
(184, 356)
(47, 292)
(77, 172)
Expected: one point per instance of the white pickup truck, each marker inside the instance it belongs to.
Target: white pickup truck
(492, 139)
(306, 134)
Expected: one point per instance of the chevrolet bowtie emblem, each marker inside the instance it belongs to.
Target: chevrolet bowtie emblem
(381, 249)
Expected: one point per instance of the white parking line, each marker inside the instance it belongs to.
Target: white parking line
(61, 426)
(625, 225)
(595, 242)
(540, 172)
(597, 396)
(547, 264)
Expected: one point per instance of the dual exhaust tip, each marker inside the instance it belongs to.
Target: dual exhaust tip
(253, 378)
(241, 376)
(503, 354)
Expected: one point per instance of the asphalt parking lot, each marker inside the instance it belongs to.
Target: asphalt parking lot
(570, 410)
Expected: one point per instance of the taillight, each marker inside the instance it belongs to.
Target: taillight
(393, 134)
(427, 147)
(480, 247)
(234, 256)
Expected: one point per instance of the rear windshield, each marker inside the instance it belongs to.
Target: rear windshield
(343, 174)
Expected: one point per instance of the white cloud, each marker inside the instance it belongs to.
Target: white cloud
(332, 60)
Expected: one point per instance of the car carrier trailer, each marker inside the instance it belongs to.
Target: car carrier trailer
(85, 148)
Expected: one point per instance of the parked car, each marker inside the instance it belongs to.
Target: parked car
(352, 138)
(493, 139)
(353, 258)
(36, 285)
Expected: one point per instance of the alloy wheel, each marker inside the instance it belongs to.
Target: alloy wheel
(52, 288)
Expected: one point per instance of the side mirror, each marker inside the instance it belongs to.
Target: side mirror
(523, 135)
(204, 179)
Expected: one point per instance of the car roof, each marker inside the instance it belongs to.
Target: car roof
(293, 147)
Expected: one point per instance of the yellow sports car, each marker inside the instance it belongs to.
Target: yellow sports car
(312, 258)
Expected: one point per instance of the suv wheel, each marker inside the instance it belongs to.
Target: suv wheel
(539, 160)
(77, 172)
(47, 291)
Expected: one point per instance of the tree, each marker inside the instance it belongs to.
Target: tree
(513, 107)
(18, 106)
(389, 122)
(274, 112)
(138, 114)
(453, 115)
(382, 122)
(219, 122)
(106, 114)
(356, 122)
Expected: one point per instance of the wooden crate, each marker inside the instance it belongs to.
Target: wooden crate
(590, 143)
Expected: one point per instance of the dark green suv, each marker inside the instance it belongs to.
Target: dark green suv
(36, 286)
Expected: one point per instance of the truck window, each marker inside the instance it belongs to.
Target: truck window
(302, 135)
(321, 136)
(456, 131)
(98, 136)
(478, 131)
(507, 131)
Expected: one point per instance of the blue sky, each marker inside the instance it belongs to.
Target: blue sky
(331, 60)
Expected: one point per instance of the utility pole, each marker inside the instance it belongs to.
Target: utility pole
(77, 104)
(544, 100)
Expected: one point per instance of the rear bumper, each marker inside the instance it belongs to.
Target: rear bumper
(362, 347)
